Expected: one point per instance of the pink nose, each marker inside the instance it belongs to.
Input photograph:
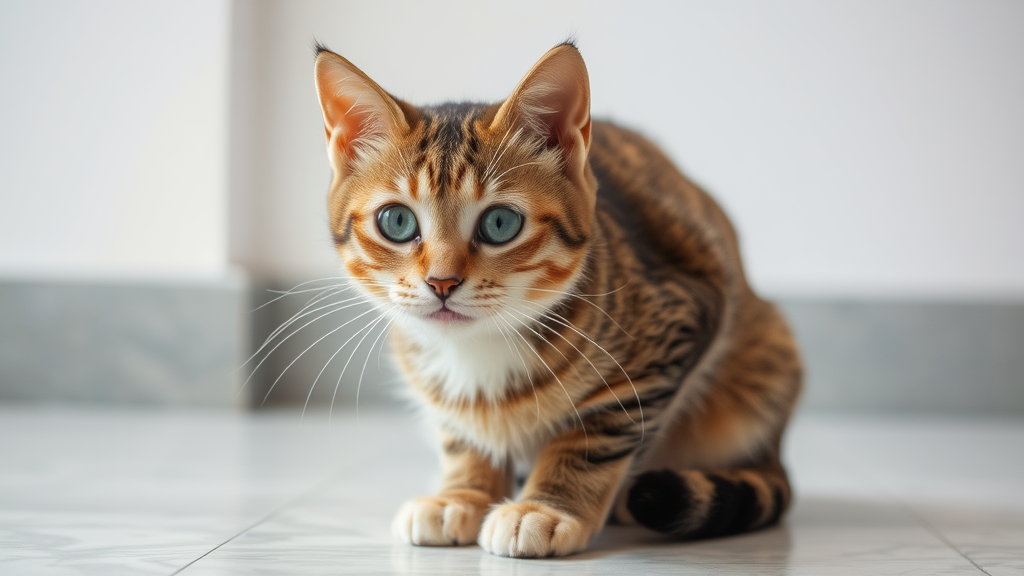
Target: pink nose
(443, 287)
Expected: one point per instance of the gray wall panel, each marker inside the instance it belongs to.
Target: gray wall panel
(122, 343)
(927, 356)
(165, 343)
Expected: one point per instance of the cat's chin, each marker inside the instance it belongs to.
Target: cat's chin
(448, 317)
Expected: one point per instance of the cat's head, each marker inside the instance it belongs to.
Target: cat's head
(458, 216)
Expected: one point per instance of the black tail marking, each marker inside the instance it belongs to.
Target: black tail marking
(664, 501)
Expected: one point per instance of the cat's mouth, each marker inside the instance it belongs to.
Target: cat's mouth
(446, 315)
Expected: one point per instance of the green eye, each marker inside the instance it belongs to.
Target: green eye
(397, 223)
(499, 225)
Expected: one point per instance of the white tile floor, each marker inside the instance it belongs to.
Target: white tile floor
(134, 492)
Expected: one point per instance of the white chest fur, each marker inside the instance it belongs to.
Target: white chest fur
(475, 364)
(478, 367)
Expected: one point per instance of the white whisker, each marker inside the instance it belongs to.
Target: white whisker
(330, 412)
(331, 359)
(517, 352)
(302, 314)
(290, 364)
(359, 383)
(552, 316)
(281, 328)
(497, 180)
(381, 349)
(284, 293)
(583, 426)
(583, 298)
(285, 339)
(497, 155)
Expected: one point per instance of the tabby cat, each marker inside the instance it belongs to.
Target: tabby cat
(563, 299)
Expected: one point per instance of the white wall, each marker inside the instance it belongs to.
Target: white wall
(863, 148)
(113, 137)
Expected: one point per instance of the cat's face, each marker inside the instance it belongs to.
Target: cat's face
(461, 217)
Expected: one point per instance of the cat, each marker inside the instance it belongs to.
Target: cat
(564, 298)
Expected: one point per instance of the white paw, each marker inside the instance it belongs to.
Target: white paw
(438, 521)
(528, 530)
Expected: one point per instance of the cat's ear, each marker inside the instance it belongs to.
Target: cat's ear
(552, 103)
(357, 112)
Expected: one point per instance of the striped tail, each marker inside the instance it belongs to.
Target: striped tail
(698, 504)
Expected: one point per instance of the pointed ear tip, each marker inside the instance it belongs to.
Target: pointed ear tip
(325, 55)
(331, 64)
(568, 54)
(320, 50)
(569, 49)
(322, 60)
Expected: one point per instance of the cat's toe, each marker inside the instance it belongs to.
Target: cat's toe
(438, 521)
(529, 530)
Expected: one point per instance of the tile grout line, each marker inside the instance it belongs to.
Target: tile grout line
(903, 506)
(316, 488)
(939, 535)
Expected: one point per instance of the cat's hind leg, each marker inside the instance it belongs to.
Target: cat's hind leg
(717, 469)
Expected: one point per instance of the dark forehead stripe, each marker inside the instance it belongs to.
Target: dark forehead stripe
(449, 134)
(421, 152)
(451, 143)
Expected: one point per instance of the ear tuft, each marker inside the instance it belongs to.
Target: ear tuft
(319, 47)
(357, 112)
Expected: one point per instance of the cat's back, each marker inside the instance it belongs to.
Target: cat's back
(668, 220)
(669, 242)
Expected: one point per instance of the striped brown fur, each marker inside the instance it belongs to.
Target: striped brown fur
(613, 345)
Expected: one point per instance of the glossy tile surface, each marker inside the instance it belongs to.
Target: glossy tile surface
(132, 492)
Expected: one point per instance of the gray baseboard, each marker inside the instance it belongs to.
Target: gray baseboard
(910, 355)
(180, 343)
(156, 343)
(859, 355)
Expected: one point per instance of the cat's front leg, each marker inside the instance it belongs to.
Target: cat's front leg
(565, 501)
(470, 485)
